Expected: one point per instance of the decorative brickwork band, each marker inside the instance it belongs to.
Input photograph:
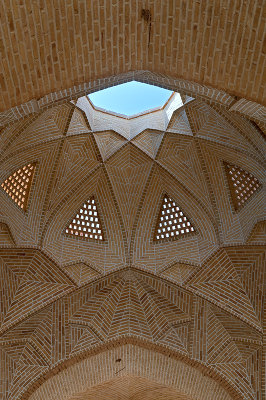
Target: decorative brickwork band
(242, 185)
(86, 223)
(18, 185)
(172, 223)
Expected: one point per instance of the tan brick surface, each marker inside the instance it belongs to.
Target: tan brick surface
(52, 46)
(122, 382)
(186, 317)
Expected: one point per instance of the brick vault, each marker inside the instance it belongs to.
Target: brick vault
(132, 251)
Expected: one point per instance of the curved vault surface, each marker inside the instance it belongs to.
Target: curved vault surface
(134, 43)
(199, 296)
(143, 377)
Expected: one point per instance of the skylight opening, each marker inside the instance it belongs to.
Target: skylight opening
(130, 98)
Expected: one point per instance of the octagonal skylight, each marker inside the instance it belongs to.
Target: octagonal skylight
(130, 98)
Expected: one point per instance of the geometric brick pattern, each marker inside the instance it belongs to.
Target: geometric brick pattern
(130, 317)
(127, 304)
(172, 223)
(179, 123)
(198, 299)
(28, 274)
(81, 273)
(129, 171)
(108, 143)
(127, 308)
(76, 160)
(149, 142)
(5, 235)
(86, 223)
(77, 124)
(249, 264)
(179, 155)
(242, 185)
(212, 124)
(258, 233)
(18, 185)
(222, 275)
(50, 124)
(234, 226)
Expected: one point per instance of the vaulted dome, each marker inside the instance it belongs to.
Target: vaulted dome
(132, 242)
(102, 184)
(133, 229)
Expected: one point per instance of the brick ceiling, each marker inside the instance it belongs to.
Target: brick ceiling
(199, 297)
(48, 46)
(132, 316)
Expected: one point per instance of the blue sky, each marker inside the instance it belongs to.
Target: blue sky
(130, 98)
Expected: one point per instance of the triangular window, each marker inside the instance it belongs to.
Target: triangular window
(18, 185)
(242, 185)
(172, 223)
(86, 222)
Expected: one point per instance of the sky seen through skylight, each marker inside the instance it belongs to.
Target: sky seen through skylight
(130, 98)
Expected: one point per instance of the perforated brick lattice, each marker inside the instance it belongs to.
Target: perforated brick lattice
(172, 222)
(17, 186)
(242, 185)
(86, 223)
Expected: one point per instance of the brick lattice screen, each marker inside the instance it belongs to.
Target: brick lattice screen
(86, 222)
(18, 185)
(172, 223)
(242, 185)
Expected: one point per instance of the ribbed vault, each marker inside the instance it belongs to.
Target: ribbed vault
(69, 301)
